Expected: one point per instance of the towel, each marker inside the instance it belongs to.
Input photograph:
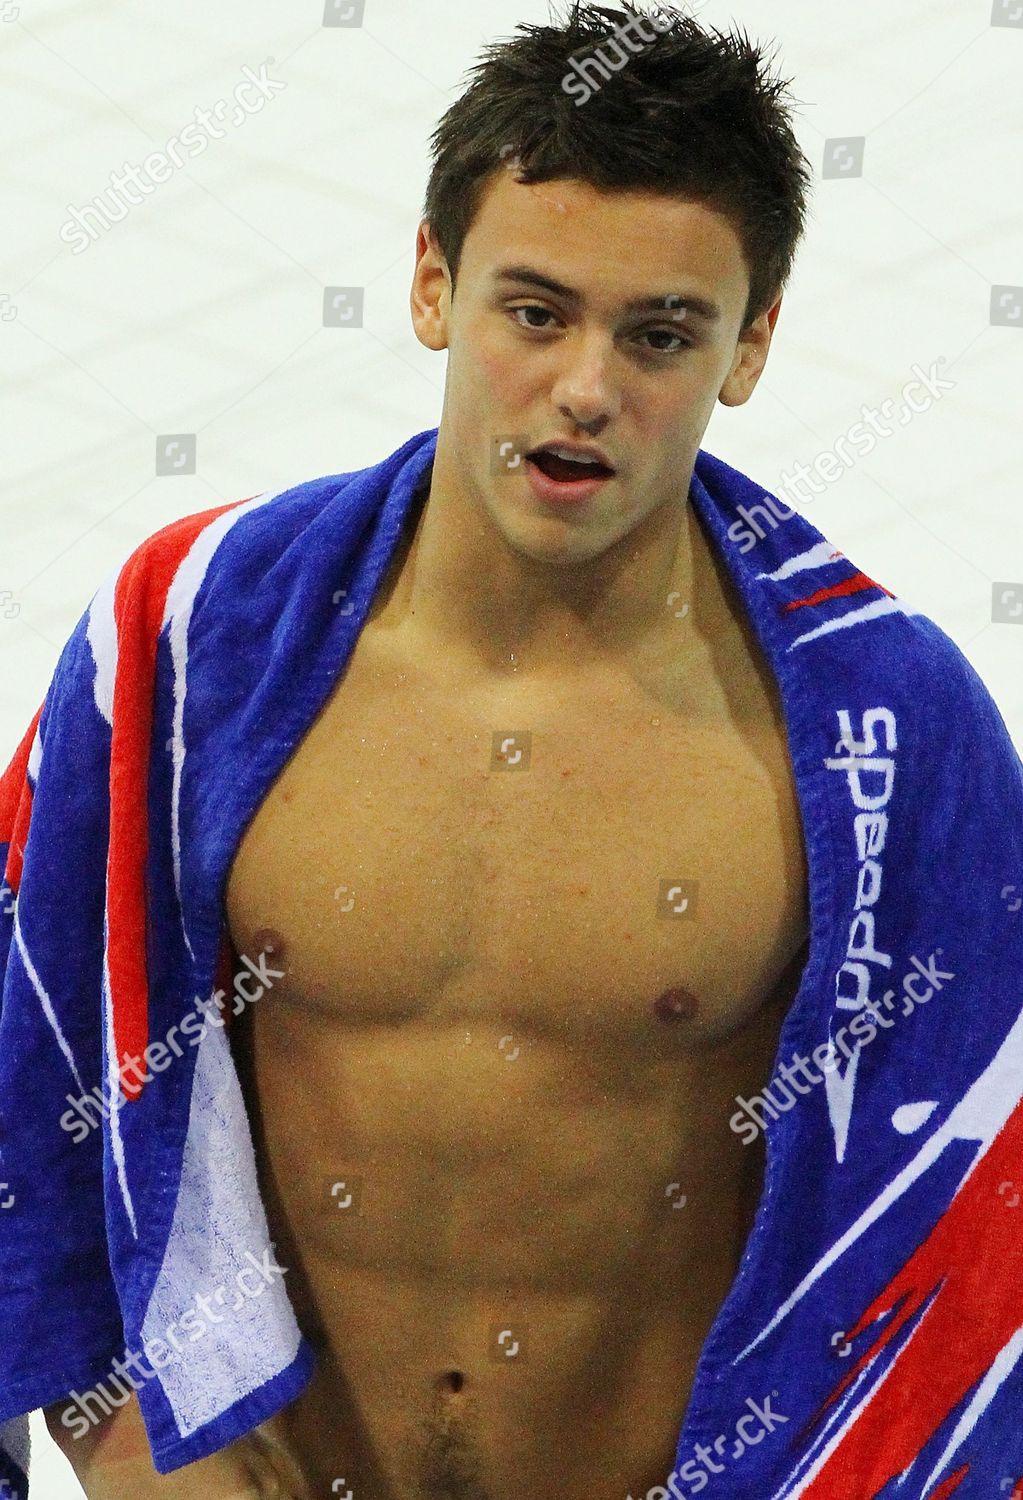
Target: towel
(870, 1344)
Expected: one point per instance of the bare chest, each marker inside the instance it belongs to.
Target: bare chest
(593, 866)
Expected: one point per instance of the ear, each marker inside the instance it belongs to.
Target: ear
(430, 298)
(750, 358)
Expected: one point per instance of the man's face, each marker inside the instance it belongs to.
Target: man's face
(531, 364)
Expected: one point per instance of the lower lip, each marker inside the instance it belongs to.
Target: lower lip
(562, 491)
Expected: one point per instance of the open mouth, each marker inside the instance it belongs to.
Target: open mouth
(569, 470)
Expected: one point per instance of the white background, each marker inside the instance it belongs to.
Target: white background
(202, 312)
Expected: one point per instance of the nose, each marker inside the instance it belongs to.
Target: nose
(585, 388)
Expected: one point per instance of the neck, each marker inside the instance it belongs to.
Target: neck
(461, 586)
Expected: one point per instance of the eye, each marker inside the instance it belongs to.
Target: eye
(535, 307)
(667, 333)
(531, 307)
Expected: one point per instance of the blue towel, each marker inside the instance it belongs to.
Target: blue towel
(870, 1344)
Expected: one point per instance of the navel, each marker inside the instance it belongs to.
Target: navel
(676, 1005)
(269, 940)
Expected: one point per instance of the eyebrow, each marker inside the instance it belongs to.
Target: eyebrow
(702, 307)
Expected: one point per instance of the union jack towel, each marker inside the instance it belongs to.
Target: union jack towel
(870, 1345)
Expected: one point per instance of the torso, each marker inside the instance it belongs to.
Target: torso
(496, 1036)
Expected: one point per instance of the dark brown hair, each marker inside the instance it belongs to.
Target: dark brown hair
(692, 116)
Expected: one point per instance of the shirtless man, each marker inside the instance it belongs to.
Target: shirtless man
(490, 1098)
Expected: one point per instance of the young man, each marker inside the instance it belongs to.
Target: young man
(519, 847)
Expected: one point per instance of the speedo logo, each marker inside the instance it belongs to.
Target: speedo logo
(871, 779)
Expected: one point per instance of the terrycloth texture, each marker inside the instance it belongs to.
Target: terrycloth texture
(876, 1321)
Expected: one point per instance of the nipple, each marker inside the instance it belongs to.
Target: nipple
(269, 940)
(676, 1005)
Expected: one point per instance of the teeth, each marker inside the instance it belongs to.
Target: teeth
(571, 457)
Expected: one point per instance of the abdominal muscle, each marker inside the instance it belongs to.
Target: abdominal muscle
(485, 1249)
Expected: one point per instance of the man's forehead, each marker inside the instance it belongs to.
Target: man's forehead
(651, 252)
